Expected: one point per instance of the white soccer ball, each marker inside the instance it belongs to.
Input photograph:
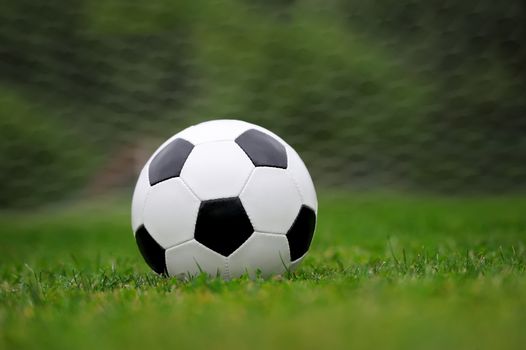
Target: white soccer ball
(224, 197)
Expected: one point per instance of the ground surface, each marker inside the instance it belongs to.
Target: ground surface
(384, 271)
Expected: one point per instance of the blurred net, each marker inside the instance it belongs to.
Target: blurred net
(414, 95)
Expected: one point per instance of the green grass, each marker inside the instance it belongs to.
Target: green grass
(384, 271)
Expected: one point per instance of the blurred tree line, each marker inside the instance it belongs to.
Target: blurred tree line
(416, 94)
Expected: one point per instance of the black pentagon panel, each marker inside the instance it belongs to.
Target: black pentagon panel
(169, 161)
(301, 232)
(263, 149)
(151, 251)
(223, 225)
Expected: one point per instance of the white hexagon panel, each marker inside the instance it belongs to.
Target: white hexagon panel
(265, 253)
(271, 200)
(216, 170)
(192, 258)
(215, 130)
(170, 212)
(299, 173)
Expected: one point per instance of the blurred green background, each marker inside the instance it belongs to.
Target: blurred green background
(414, 95)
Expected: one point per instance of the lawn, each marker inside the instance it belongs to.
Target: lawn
(384, 271)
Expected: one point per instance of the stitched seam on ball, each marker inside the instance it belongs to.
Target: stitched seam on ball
(165, 270)
(296, 185)
(227, 269)
(144, 205)
(271, 233)
(198, 207)
(243, 244)
(189, 188)
(288, 241)
(241, 199)
(246, 181)
(250, 217)
(291, 176)
(216, 141)
(180, 243)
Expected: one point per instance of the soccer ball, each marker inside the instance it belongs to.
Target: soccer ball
(227, 198)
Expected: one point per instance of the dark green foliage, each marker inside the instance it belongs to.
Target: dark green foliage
(472, 57)
(64, 51)
(415, 94)
(39, 160)
(45, 47)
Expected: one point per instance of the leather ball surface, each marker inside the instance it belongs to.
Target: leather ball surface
(226, 198)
